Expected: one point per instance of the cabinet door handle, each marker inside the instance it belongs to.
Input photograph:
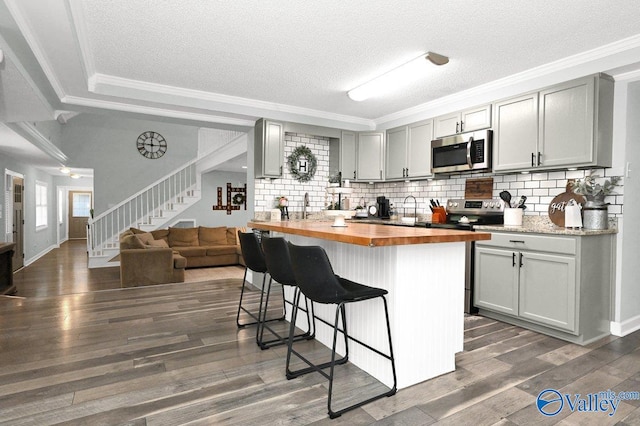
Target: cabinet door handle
(513, 260)
(461, 126)
(457, 125)
(380, 174)
(533, 159)
(539, 158)
(516, 241)
(354, 174)
(407, 172)
(520, 260)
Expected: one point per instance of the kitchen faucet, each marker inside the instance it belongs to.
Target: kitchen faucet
(415, 205)
(305, 204)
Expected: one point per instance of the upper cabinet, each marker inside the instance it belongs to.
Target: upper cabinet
(408, 151)
(269, 149)
(469, 120)
(566, 125)
(370, 156)
(348, 155)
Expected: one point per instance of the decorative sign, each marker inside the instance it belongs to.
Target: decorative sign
(302, 164)
(233, 203)
(559, 202)
(479, 188)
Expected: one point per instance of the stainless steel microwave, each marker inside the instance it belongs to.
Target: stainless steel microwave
(463, 152)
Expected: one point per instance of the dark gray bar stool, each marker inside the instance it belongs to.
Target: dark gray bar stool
(254, 260)
(317, 281)
(278, 261)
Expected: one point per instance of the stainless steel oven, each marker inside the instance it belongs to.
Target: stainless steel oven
(464, 214)
(463, 152)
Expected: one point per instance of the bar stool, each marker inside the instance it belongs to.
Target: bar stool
(254, 261)
(278, 261)
(317, 281)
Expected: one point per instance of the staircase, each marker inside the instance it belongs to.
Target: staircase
(151, 208)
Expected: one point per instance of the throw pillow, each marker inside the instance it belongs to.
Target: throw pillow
(161, 234)
(131, 242)
(157, 244)
(183, 237)
(145, 237)
(212, 236)
(136, 230)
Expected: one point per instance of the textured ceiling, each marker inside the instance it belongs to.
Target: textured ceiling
(238, 59)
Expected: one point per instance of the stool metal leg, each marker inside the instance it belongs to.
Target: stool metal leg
(280, 340)
(251, 314)
(312, 367)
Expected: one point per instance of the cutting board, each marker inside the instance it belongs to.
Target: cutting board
(479, 188)
(559, 202)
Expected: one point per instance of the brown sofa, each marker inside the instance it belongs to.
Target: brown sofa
(161, 256)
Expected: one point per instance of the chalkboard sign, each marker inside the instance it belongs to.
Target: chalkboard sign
(559, 202)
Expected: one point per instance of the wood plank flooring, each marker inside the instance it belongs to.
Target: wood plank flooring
(172, 354)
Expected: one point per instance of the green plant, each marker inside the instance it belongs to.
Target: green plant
(589, 186)
(335, 178)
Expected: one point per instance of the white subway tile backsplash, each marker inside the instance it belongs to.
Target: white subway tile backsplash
(557, 175)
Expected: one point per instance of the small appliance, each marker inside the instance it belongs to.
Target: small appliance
(383, 207)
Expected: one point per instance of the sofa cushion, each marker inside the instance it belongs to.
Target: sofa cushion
(183, 237)
(161, 234)
(232, 236)
(191, 251)
(145, 237)
(219, 250)
(157, 244)
(131, 242)
(212, 236)
(136, 230)
(179, 262)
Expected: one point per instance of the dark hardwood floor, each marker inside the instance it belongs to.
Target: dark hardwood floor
(77, 349)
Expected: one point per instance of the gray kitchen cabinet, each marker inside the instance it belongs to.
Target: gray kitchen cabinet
(573, 127)
(396, 149)
(467, 120)
(558, 285)
(348, 155)
(370, 156)
(269, 149)
(408, 151)
(515, 132)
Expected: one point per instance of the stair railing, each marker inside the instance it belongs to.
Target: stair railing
(140, 208)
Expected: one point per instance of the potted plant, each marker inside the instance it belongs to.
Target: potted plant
(334, 180)
(595, 212)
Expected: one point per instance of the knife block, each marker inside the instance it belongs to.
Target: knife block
(439, 215)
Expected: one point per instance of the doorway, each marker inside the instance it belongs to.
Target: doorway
(80, 203)
(17, 185)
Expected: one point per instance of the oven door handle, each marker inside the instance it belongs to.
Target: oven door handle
(469, 163)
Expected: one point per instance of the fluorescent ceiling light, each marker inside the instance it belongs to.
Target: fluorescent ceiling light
(397, 77)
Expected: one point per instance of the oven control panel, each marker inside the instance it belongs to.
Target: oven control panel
(480, 207)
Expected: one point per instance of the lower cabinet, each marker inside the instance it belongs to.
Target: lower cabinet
(558, 285)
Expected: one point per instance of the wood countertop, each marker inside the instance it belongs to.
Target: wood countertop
(366, 234)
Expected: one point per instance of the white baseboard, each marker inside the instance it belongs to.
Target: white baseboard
(625, 327)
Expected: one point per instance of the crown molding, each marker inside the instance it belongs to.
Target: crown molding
(77, 21)
(121, 87)
(40, 141)
(529, 80)
(160, 112)
(37, 50)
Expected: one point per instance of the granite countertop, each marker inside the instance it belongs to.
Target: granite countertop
(543, 225)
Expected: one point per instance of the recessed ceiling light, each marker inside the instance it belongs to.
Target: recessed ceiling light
(65, 170)
(74, 176)
(396, 77)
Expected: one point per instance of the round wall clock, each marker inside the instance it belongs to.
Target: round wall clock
(151, 145)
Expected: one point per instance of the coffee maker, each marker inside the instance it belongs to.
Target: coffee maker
(383, 207)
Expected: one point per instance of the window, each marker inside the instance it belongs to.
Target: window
(41, 205)
(81, 204)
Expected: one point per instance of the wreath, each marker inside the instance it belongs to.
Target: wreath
(239, 198)
(294, 159)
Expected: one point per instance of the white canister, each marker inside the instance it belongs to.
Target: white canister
(513, 217)
(572, 217)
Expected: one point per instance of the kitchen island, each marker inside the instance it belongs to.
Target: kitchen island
(423, 269)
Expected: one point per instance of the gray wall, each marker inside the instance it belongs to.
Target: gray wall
(630, 286)
(203, 213)
(36, 243)
(107, 144)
